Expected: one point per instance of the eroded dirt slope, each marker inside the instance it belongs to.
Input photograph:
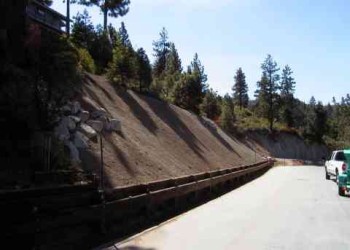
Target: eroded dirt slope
(158, 140)
(286, 145)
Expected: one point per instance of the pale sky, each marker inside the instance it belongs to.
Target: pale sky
(313, 37)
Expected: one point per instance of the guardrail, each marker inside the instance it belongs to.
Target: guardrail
(216, 176)
(80, 213)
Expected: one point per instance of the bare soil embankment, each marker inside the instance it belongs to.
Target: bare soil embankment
(286, 146)
(158, 140)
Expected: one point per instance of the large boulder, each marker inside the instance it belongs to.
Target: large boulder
(74, 153)
(75, 107)
(65, 125)
(66, 109)
(61, 132)
(88, 131)
(99, 113)
(75, 119)
(95, 124)
(114, 125)
(68, 122)
(84, 115)
(80, 140)
(104, 121)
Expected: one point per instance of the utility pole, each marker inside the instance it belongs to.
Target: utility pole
(101, 167)
(101, 189)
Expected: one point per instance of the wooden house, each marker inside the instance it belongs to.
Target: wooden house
(21, 20)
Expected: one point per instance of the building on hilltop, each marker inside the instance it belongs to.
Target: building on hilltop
(45, 16)
(21, 23)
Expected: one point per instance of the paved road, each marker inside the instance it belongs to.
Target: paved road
(287, 208)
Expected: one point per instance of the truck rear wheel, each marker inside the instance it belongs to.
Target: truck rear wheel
(327, 175)
(336, 176)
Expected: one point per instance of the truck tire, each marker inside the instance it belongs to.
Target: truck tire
(327, 175)
(341, 191)
(336, 175)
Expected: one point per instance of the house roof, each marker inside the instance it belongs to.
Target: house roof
(49, 9)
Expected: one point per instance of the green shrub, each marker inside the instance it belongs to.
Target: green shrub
(32, 93)
(86, 62)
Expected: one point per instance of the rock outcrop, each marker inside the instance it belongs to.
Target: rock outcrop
(77, 127)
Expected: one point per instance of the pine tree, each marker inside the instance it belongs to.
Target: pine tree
(210, 106)
(270, 69)
(112, 8)
(144, 69)
(240, 89)
(320, 123)
(83, 31)
(312, 102)
(340, 129)
(113, 35)
(161, 49)
(173, 61)
(124, 36)
(287, 98)
(227, 118)
(187, 92)
(68, 3)
(310, 114)
(121, 69)
(171, 75)
(199, 83)
(299, 114)
(198, 69)
(261, 95)
(102, 50)
(287, 82)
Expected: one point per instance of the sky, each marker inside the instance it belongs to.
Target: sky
(311, 36)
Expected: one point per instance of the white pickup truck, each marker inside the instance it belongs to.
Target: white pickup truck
(336, 164)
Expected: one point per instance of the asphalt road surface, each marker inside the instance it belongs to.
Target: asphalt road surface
(287, 208)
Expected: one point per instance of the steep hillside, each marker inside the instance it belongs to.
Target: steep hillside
(286, 145)
(158, 140)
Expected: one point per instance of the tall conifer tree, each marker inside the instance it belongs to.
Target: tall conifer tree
(240, 89)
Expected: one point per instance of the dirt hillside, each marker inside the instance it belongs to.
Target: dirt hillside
(286, 145)
(158, 140)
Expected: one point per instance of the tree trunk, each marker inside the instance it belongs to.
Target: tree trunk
(105, 12)
(240, 101)
(271, 105)
(68, 18)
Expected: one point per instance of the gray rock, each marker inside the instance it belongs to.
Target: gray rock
(65, 125)
(61, 132)
(76, 107)
(74, 153)
(84, 115)
(95, 124)
(99, 113)
(68, 123)
(66, 109)
(115, 125)
(80, 140)
(104, 121)
(88, 131)
(75, 119)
